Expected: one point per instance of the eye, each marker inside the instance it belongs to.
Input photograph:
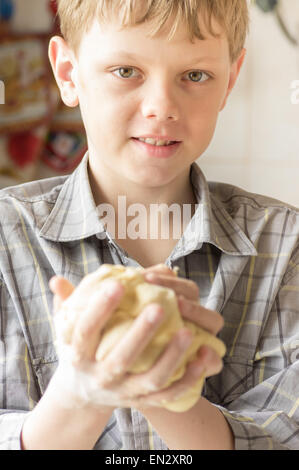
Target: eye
(124, 72)
(196, 76)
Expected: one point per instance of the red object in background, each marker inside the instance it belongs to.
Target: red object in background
(53, 6)
(24, 148)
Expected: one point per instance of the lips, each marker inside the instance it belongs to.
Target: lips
(158, 151)
(156, 142)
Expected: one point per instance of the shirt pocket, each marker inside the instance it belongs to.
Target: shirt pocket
(44, 369)
(235, 379)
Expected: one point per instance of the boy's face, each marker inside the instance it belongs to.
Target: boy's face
(174, 89)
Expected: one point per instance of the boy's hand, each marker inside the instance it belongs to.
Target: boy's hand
(107, 383)
(188, 301)
(188, 298)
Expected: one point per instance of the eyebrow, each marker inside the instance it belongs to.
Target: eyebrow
(119, 55)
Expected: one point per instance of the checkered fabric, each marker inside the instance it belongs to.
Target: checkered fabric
(245, 259)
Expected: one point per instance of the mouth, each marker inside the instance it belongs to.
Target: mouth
(157, 148)
(156, 142)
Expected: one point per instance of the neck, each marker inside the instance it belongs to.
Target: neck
(107, 187)
(121, 194)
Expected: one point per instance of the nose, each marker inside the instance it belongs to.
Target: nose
(159, 103)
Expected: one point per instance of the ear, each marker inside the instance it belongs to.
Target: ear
(235, 70)
(62, 62)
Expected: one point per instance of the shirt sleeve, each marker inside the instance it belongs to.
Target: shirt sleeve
(11, 424)
(266, 417)
(19, 392)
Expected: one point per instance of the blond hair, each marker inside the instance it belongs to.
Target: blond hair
(76, 17)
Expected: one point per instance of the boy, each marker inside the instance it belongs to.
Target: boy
(134, 83)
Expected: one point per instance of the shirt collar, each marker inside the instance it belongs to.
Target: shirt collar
(216, 225)
(75, 216)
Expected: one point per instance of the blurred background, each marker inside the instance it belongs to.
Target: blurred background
(256, 144)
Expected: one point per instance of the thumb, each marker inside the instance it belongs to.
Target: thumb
(62, 289)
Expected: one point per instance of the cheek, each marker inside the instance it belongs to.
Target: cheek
(109, 107)
(99, 111)
(202, 112)
(204, 120)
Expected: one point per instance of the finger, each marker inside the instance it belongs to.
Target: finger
(209, 360)
(124, 355)
(89, 283)
(181, 286)
(175, 391)
(61, 286)
(100, 307)
(207, 319)
(160, 268)
(62, 289)
(165, 366)
(208, 363)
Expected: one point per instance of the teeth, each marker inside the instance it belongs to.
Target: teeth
(157, 143)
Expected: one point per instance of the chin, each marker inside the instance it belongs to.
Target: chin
(151, 177)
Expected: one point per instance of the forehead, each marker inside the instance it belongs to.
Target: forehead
(111, 38)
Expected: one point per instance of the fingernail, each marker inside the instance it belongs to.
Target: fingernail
(153, 314)
(150, 277)
(110, 288)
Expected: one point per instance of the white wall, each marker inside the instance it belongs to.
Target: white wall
(256, 144)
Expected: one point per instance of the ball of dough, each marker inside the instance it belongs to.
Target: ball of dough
(137, 295)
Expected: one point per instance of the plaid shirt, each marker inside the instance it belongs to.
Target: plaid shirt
(245, 260)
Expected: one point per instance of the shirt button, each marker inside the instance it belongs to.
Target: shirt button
(294, 356)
